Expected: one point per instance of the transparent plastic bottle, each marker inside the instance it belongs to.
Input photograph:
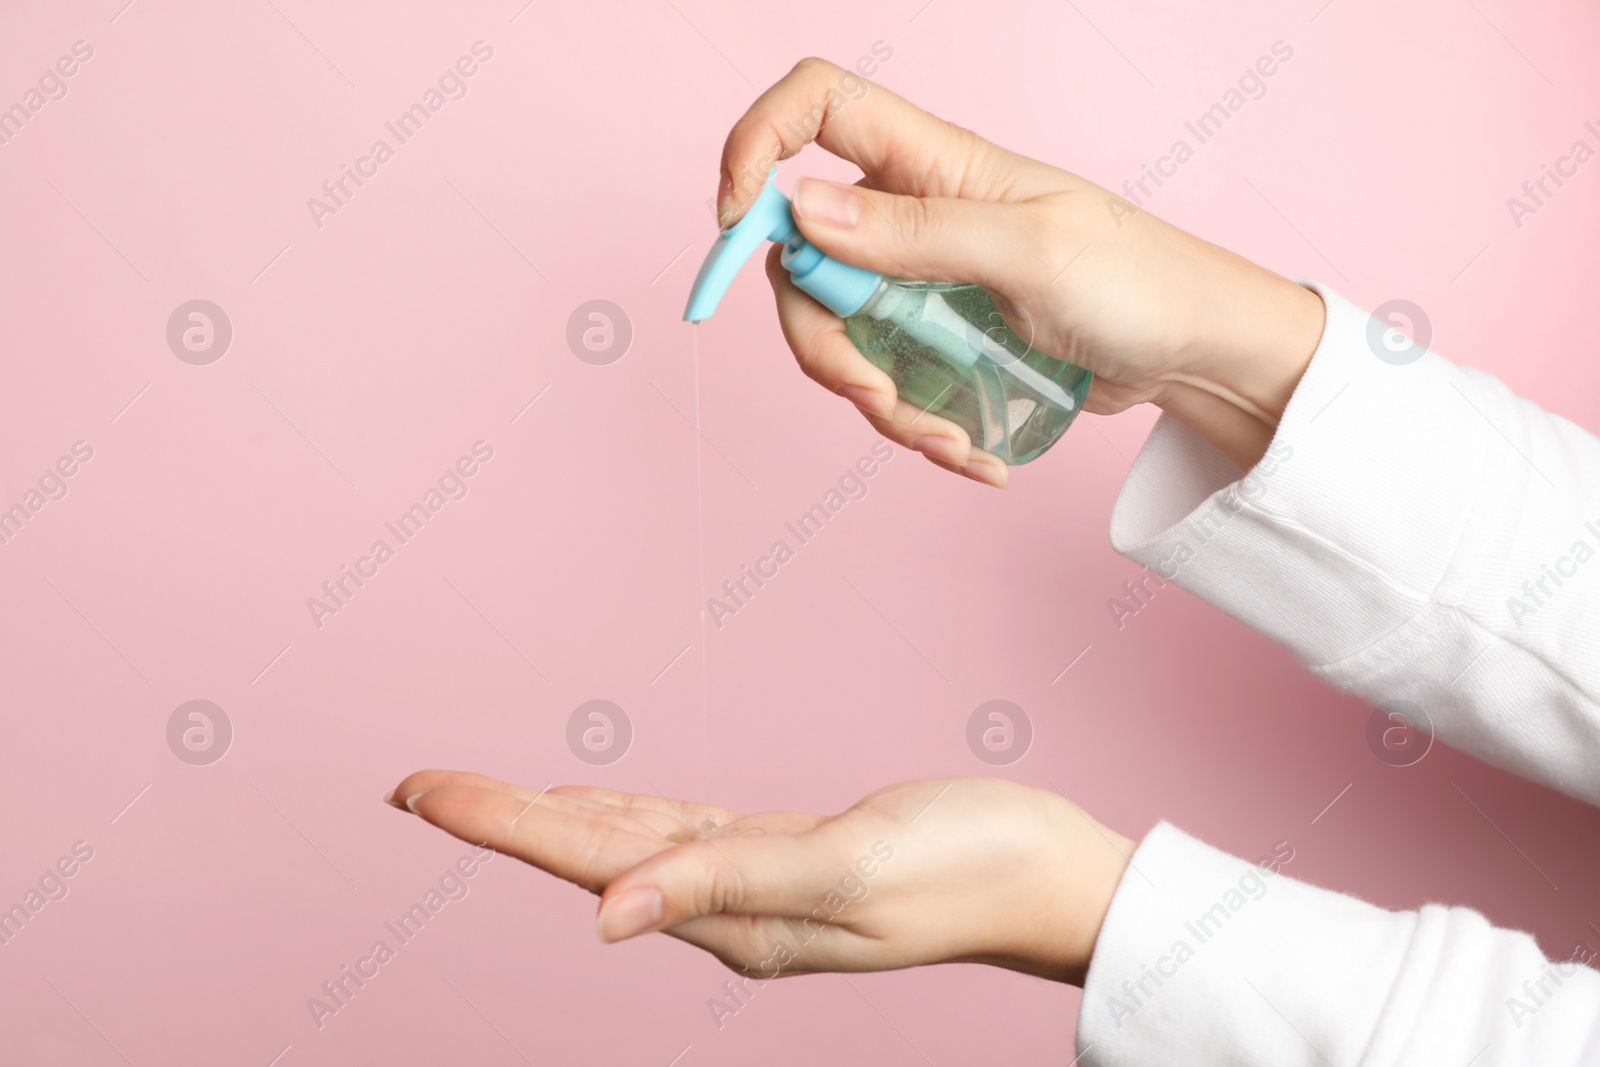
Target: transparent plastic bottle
(946, 346)
(950, 353)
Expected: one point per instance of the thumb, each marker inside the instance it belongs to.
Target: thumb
(782, 875)
(941, 239)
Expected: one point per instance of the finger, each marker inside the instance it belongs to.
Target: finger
(680, 812)
(661, 814)
(420, 782)
(822, 348)
(764, 948)
(941, 442)
(828, 357)
(982, 467)
(683, 820)
(674, 825)
(850, 117)
(891, 139)
(584, 847)
(779, 875)
(940, 239)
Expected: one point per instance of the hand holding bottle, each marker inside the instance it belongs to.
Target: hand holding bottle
(967, 869)
(1156, 314)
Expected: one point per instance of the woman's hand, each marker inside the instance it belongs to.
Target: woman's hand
(966, 869)
(1159, 316)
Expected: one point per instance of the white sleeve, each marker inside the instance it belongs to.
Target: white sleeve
(1416, 533)
(1205, 960)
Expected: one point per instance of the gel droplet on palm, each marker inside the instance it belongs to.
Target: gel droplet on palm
(946, 346)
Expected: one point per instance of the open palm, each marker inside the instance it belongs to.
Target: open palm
(972, 869)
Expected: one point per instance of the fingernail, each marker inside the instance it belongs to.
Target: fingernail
(986, 469)
(388, 798)
(827, 202)
(411, 802)
(869, 400)
(629, 914)
(940, 448)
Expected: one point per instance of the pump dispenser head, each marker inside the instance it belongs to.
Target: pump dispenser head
(841, 288)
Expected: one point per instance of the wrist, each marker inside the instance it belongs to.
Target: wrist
(1054, 935)
(1253, 336)
(1097, 887)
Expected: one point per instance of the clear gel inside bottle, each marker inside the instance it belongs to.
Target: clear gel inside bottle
(950, 353)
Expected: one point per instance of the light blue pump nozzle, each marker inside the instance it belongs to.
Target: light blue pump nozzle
(839, 287)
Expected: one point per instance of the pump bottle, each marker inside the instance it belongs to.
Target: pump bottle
(945, 345)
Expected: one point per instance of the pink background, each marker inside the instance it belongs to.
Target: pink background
(370, 353)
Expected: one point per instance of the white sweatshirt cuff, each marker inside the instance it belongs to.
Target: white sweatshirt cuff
(1397, 509)
(1328, 583)
(1415, 532)
(1205, 958)
(1209, 959)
